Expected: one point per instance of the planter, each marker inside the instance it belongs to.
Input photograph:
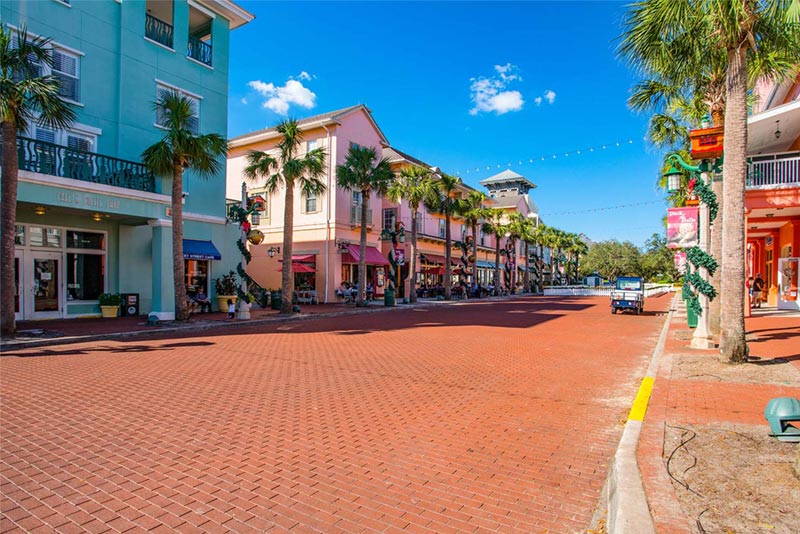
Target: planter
(109, 311)
(275, 300)
(222, 302)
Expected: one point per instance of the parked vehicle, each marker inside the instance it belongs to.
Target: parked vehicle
(628, 294)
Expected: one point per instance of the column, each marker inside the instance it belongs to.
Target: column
(163, 278)
(701, 339)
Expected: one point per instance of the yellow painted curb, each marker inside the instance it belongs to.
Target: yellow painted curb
(642, 397)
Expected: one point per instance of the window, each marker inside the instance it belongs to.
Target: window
(356, 198)
(483, 239)
(85, 275)
(310, 203)
(312, 145)
(442, 229)
(88, 240)
(463, 231)
(194, 122)
(74, 138)
(45, 237)
(19, 235)
(65, 70)
(419, 223)
(389, 218)
(196, 272)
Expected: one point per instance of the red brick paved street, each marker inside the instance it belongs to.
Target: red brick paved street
(479, 417)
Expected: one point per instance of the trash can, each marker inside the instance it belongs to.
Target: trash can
(691, 316)
(275, 300)
(130, 304)
(389, 298)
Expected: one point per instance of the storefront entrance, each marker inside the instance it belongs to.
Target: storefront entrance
(40, 285)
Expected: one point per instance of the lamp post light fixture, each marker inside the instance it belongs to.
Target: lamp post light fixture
(777, 129)
(271, 251)
(673, 176)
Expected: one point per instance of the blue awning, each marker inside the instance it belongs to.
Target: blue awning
(485, 264)
(200, 250)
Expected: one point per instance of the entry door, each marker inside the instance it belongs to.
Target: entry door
(19, 285)
(47, 296)
(788, 282)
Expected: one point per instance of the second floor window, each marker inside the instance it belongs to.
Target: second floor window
(65, 69)
(389, 218)
(194, 123)
(356, 198)
(420, 226)
(312, 145)
(442, 225)
(483, 239)
(311, 203)
(463, 231)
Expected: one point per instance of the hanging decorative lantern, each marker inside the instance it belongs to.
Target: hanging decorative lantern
(255, 236)
(673, 176)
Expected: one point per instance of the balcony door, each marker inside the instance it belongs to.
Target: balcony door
(45, 292)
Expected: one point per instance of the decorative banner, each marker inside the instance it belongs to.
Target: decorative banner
(788, 270)
(682, 227)
(680, 262)
(399, 256)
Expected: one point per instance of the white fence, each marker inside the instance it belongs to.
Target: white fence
(650, 290)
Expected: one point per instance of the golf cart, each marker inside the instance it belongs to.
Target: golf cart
(628, 295)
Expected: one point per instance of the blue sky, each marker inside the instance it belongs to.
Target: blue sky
(465, 86)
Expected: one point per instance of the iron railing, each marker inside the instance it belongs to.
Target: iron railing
(59, 160)
(199, 51)
(779, 170)
(355, 216)
(158, 31)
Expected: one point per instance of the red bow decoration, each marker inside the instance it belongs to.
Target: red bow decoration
(245, 226)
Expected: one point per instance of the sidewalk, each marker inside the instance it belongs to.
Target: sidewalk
(704, 454)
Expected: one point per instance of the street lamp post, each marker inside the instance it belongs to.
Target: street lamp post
(701, 339)
(398, 235)
(244, 304)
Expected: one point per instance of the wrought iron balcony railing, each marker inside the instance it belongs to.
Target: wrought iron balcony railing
(355, 216)
(59, 160)
(199, 51)
(779, 170)
(158, 31)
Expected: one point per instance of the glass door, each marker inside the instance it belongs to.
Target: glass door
(46, 300)
(19, 283)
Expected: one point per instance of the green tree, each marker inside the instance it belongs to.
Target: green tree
(26, 97)
(472, 210)
(444, 200)
(658, 261)
(612, 259)
(539, 238)
(180, 150)
(494, 224)
(289, 170)
(362, 171)
(414, 185)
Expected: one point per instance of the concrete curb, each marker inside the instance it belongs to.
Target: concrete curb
(5, 346)
(627, 510)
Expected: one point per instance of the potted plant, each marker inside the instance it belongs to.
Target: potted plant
(109, 304)
(226, 290)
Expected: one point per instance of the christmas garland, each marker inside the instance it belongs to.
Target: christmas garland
(241, 215)
(700, 258)
(706, 196)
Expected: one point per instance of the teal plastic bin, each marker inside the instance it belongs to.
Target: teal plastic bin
(691, 316)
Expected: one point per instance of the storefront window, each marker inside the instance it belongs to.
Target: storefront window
(45, 237)
(196, 275)
(85, 276)
(85, 240)
(19, 235)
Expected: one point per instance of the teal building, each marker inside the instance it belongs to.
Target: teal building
(90, 217)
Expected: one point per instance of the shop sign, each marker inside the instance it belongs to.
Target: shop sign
(85, 200)
(682, 227)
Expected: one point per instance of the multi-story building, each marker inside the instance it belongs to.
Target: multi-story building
(772, 198)
(90, 217)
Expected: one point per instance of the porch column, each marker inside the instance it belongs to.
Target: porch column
(701, 339)
(163, 285)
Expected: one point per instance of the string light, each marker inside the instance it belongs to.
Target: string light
(530, 161)
(606, 208)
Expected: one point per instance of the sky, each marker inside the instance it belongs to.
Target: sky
(471, 87)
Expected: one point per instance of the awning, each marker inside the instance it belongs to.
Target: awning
(200, 250)
(485, 264)
(439, 271)
(436, 258)
(303, 258)
(300, 268)
(374, 256)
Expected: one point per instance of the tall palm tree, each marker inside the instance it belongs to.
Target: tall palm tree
(26, 96)
(518, 228)
(472, 211)
(362, 171)
(414, 185)
(290, 170)
(578, 248)
(539, 237)
(493, 224)
(444, 201)
(180, 150)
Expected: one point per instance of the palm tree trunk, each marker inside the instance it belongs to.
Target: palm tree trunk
(287, 273)
(178, 278)
(10, 174)
(448, 269)
(732, 335)
(540, 264)
(715, 306)
(474, 262)
(497, 266)
(412, 292)
(361, 299)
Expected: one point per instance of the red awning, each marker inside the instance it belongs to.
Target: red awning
(300, 268)
(303, 258)
(439, 271)
(374, 256)
(435, 258)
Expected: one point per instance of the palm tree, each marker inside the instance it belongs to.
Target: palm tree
(443, 200)
(539, 237)
(289, 170)
(414, 185)
(364, 172)
(578, 248)
(472, 211)
(518, 228)
(26, 96)
(493, 224)
(180, 150)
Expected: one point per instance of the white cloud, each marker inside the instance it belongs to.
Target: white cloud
(550, 96)
(244, 101)
(279, 98)
(490, 94)
(304, 76)
(538, 100)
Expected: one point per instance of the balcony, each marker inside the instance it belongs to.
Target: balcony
(199, 51)
(774, 172)
(355, 216)
(159, 31)
(58, 160)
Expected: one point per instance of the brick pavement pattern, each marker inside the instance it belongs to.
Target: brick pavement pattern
(478, 417)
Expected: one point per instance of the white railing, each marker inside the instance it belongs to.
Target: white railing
(773, 171)
(650, 290)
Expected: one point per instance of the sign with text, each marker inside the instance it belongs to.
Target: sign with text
(682, 227)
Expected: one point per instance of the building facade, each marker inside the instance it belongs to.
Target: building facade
(90, 218)
(772, 198)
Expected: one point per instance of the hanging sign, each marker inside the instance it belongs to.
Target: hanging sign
(707, 143)
(399, 256)
(682, 227)
(680, 262)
